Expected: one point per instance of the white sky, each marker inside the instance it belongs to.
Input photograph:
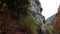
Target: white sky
(49, 7)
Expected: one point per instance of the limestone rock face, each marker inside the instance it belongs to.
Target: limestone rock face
(35, 6)
(36, 10)
(50, 21)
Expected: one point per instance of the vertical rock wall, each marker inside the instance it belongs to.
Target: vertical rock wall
(15, 16)
(56, 26)
(36, 10)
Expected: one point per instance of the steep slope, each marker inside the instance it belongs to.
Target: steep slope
(56, 26)
(21, 17)
(50, 21)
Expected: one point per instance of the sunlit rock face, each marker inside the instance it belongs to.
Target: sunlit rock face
(50, 21)
(35, 6)
(36, 10)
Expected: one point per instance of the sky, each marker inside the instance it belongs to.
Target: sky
(50, 7)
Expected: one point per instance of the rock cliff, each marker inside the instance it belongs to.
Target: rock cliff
(56, 26)
(36, 10)
(21, 17)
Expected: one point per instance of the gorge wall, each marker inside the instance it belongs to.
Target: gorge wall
(21, 17)
(56, 26)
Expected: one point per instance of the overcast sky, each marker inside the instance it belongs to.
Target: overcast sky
(49, 7)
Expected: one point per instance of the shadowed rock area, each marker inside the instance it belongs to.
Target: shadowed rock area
(56, 26)
(21, 17)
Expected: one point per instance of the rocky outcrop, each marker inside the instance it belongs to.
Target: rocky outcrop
(50, 21)
(36, 10)
(21, 17)
(56, 26)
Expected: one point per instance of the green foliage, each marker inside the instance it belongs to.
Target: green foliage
(18, 10)
(49, 29)
(31, 23)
